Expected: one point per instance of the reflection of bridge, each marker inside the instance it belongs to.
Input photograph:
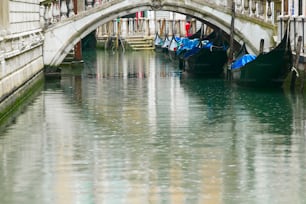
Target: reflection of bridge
(254, 21)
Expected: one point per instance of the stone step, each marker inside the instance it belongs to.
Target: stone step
(143, 48)
(140, 42)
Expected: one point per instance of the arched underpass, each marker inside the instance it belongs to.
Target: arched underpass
(62, 36)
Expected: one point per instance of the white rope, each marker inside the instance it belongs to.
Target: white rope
(296, 71)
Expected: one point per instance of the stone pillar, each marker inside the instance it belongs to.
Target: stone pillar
(89, 4)
(42, 10)
(131, 29)
(78, 6)
(246, 5)
(55, 12)
(152, 26)
(114, 27)
(104, 29)
(147, 21)
(238, 5)
(194, 25)
(178, 27)
(170, 27)
(253, 8)
(64, 10)
(97, 3)
(135, 25)
(124, 27)
(48, 15)
(71, 8)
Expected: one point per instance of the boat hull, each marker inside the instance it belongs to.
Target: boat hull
(208, 62)
(267, 70)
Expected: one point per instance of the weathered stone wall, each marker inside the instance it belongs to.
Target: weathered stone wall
(4, 13)
(23, 15)
(21, 42)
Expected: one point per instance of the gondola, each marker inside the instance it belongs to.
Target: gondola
(158, 43)
(165, 44)
(267, 69)
(207, 59)
(172, 50)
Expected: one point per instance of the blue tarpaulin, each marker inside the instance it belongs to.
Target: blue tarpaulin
(205, 45)
(243, 60)
(186, 44)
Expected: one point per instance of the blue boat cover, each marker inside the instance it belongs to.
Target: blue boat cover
(205, 45)
(187, 44)
(242, 61)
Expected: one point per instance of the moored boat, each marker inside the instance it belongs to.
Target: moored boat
(207, 58)
(165, 44)
(158, 42)
(173, 46)
(267, 69)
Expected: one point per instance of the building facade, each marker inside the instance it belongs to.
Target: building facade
(21, 40)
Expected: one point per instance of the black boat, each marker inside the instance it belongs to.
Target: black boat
(267, 69)
(208, 58)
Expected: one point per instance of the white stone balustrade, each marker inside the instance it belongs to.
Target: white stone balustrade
(258, 9)
(143, 26)
(297, 28)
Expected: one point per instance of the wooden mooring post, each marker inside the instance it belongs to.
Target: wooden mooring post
(261, 46)
(231, 44)
(303, 78)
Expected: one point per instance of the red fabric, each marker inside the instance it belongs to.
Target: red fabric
(187, 28)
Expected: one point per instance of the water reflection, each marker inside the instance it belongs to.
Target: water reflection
(129, 129)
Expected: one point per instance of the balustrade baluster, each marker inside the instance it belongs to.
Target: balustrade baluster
(179, 27)
(64, 10)
(246, 6)
(238, 5)
(260, 8)
(97, 3)
(42, 10)
(253, 7)
(71, 8)
(89, 4)
(46, 14)
(269, 10)
(55, 12)
(130, 25)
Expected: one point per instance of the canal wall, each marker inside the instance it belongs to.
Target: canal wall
(21, 48)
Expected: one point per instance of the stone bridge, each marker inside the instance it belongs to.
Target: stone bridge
(254, 20)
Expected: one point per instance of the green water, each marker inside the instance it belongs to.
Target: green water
(129, 128)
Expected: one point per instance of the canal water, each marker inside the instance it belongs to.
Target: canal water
(130, 128)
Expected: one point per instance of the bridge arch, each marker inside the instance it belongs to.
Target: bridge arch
(61, 37)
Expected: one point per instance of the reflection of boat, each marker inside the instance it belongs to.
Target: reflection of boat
(267, 69)
(212, 97)
(207, 59)
(272, 108)
(248, 111)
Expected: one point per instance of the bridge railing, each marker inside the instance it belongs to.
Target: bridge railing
(297, 28)
(56, 10)
(127, 27)
(264, 10)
